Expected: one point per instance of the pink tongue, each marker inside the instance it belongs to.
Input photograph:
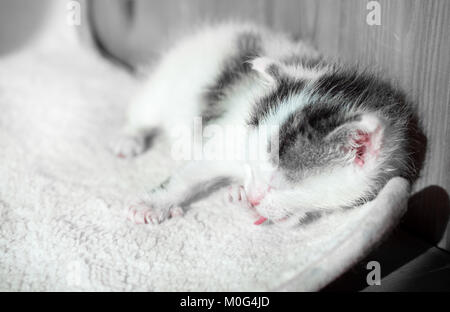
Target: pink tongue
(260, 220)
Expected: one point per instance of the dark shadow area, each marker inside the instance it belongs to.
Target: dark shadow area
(436, 203)
(396, 251)
(428, 272)
(403, 246)
(150, 139)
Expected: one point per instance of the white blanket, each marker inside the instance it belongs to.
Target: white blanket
(62, 197)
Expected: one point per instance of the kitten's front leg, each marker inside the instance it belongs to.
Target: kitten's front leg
(190, 183)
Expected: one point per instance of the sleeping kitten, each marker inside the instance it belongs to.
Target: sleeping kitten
(332, 136)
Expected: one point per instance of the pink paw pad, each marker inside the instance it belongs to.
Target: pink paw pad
(141, 213)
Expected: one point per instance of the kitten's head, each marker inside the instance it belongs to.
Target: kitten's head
(341, 134)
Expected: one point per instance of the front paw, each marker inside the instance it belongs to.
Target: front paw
(129, 146)
(236, 195)
(151, 213)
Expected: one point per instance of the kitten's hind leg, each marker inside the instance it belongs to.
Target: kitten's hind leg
(143, 123)
(133, 141)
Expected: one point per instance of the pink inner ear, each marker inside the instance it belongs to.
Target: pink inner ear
(366, 144)
(362, 142)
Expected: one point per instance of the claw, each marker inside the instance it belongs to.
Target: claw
(146, 213)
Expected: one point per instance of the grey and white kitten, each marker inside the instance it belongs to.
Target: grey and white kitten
(338, 135)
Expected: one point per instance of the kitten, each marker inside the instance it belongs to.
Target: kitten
(333, 136)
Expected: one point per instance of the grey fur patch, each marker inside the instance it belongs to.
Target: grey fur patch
(311, 216)
(271, 102)
(204, 189)
(248, 46)
(274, 71)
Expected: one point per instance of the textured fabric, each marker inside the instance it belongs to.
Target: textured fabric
(63, 194)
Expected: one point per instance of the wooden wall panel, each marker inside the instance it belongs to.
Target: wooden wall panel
(136, 31)
(412, 46)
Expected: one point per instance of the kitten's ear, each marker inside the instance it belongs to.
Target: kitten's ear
(362, 138)
(269, 69)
